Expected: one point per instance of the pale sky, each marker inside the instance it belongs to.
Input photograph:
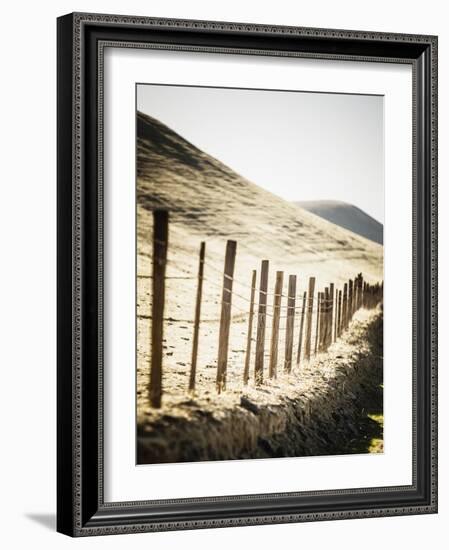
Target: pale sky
(298, 145)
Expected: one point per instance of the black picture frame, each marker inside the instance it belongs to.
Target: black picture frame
(81, 509)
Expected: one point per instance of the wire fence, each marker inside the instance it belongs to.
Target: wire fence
(285, 326)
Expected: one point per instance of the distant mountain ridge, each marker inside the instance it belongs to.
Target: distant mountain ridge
(347, 216)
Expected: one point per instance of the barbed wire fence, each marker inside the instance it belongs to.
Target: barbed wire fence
(313, 320)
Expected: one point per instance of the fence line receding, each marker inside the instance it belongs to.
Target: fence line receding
(322, 316)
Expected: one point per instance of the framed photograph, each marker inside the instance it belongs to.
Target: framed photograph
(247, 277)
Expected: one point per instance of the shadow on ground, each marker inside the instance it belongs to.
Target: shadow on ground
(46, 520)
(370, 419)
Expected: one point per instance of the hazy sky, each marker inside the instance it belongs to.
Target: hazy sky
(298, 145)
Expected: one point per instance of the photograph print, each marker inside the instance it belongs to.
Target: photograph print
(259, 273)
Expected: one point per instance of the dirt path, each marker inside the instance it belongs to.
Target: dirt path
(370, 419)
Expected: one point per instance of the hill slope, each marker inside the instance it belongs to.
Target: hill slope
(348, 216)
(208, 201)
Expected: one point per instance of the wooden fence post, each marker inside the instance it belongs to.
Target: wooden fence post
(331, 313)
(275, 326)
(335, 314)
(196, 326)
(359, 295)
(359, 290)
(339, 314)
(290, 324)
(325, 322)
(261, 321)
(344, 321)
(320, 330)
(309, 318)
(225, 318)
(322, 316)
(160, 244)
(350, 299)
(319, 315)
(250, 328)
(301, 327)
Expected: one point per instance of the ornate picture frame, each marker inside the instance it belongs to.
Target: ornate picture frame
(81, 508)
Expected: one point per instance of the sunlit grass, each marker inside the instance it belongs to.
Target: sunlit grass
(376, 445)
